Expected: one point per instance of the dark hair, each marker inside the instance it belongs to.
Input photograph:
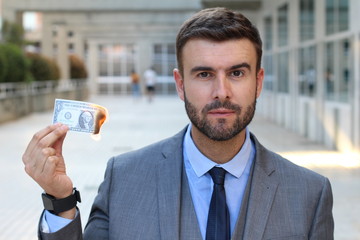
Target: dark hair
(218, 24)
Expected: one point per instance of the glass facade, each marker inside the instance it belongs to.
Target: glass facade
(283, 25)
(338, 69)
(337, 51)
(337, 16)
(307, 19)
(307, 71)
(268, 39)
(116, 59)
(329, 71)
(283, 72)
(269, 71)
(164, 59)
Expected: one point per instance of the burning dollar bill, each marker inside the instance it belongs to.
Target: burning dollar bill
(79, 116)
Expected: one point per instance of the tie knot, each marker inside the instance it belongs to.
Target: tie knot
(218, 175)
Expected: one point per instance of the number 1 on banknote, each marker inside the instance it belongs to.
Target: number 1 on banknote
(79, 116)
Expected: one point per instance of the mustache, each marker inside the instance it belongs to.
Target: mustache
(218, 104)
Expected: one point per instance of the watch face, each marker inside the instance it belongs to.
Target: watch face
(47, 201)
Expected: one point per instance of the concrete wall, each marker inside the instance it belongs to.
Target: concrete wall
(19, 105)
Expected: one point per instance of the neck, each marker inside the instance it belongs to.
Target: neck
(218, 151)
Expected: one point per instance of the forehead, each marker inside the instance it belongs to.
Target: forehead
(218, 54)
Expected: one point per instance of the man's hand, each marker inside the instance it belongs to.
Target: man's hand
(44, 162)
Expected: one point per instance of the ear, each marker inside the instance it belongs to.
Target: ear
(179, 83)
(259, 82)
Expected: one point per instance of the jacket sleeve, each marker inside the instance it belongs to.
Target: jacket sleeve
(97, 227)
(72, 231)
(323, 222)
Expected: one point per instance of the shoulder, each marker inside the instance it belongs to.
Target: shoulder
(285, 170)
(150, 155)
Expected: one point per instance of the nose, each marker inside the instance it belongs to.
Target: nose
(222, 87)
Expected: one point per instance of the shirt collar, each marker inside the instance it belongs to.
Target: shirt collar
(201, 164)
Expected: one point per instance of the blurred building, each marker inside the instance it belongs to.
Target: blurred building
(311, 52)
(312, 60)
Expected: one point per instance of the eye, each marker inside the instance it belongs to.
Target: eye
(204, 74)
(237, 73)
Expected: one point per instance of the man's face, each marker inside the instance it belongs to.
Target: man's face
(219, 85)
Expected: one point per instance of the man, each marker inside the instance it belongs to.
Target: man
(167, 190)
(150, 81)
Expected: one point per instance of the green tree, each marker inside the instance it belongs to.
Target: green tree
(3, 64)
(13, 33)
(17, 64)
(43, 68)
(77, 68)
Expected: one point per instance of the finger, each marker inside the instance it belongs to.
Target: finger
(38, 136)
(58, 144)
(54, 136)
(43, 174)
(38, 160)
(54, 176)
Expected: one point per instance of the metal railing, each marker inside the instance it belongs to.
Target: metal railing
(24, 89)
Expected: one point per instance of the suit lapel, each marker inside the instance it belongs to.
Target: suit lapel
(263, 189)
(169, 188)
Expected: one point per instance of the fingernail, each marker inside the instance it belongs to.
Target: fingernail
(65, 127)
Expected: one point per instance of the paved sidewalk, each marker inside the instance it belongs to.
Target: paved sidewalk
(133, 124)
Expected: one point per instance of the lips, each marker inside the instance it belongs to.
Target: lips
(221, 112)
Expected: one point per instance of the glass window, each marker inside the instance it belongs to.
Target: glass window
(116, 60)
(343, 15)
(338, 76)
(345, 66)
(268, 40)
(337, 16)
(329, 71)
(103, 60)
(164, 60)
(307, 71)
(283, 72)
(283, 25)
(269, 72)
(307, 19)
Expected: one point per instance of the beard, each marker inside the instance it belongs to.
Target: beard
(219, 131)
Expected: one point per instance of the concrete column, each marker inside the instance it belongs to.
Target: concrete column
(79, 45)
(47, 38)
(145, 51)
(320, 76)
(293, 42)
(356, 102)
(93, 66)
(62, 55)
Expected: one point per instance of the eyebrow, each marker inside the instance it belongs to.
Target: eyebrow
(204, 68)
(201, 69)
(241, 65)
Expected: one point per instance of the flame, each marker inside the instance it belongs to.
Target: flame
(101, 115)
(96, 137)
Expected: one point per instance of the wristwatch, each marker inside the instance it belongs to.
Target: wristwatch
(57, 206)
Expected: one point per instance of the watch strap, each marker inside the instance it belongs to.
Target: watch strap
(57, 206)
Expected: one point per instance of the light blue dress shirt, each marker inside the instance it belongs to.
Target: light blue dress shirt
(201, 184)
(197, 166)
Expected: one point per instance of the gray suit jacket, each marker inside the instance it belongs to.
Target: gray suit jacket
(145, 195)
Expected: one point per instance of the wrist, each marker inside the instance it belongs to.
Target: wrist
(61, 205)
(70, 214)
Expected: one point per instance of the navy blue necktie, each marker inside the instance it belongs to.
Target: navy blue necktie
(218, 225)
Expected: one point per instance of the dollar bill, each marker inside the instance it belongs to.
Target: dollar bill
(79, 116)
